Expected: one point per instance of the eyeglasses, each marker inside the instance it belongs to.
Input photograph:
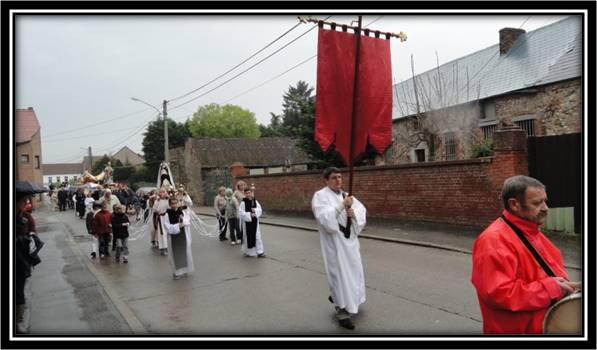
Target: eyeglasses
(336, 177)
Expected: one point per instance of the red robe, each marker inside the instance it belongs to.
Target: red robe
(514, 292)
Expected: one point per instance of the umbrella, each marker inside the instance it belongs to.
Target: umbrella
(28, 188)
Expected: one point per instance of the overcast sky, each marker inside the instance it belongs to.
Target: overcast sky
(80, 72)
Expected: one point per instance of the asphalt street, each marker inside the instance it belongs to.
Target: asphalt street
(411, 290)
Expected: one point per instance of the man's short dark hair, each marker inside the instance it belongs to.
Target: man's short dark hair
(329, 171)
(516, 187)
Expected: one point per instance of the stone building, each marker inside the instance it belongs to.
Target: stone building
(128, 156)
(203, 165)
(531, 79)
(125, 155)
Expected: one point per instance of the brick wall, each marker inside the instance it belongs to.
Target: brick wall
(29, 171)
(464, 192)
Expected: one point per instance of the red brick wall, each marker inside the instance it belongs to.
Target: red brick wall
(455, 192)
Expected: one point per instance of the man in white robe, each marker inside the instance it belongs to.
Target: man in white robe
(250, 212)
(341, 255)
(159, 208)
(177, 223)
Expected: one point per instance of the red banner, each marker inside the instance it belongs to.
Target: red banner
(334, 95)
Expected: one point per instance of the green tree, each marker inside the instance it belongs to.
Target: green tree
(228, 121)
(298, 108)
(100, 164)
(274, 129)
(153, 140)
(298, 121)
(124, 173)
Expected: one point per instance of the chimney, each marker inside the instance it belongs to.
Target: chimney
(508, 37)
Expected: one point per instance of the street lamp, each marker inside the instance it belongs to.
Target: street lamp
(164, 114)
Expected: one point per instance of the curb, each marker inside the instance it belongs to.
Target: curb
(369, 236)
(387, 239)
(127, 314)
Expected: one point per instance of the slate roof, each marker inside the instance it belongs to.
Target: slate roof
(542, 56)
(26, 125)
(126, 153)
(261, 152)
(61, 168)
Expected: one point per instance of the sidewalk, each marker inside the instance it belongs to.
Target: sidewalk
(422, 234)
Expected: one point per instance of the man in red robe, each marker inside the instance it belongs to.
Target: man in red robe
(514, 290)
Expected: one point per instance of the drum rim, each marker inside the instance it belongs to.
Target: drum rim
(577, 295)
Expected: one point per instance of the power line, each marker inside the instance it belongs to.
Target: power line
(246, 70)
(233, 68)
(290, 69)
(274, 78)
(83, 136)
(90, 125)
(142, 126)
(68, 159)
(375, 20)
(525, 21)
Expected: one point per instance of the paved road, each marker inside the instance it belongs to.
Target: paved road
(410, 290)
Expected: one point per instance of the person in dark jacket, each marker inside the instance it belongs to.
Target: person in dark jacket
(102, 228)
(25, 231)
(80, 203)
(96, 194)
(120, 224)
(96, 208)
(62, 196)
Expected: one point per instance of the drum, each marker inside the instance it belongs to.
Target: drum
(565, 316)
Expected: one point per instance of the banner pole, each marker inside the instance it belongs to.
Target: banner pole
(354, 107)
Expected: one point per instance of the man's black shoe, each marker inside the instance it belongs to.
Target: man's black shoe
(346, 323)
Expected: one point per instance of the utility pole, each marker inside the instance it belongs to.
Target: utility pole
(165, 114)
(90, 159)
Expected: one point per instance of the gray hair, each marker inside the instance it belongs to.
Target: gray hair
(516, 187)
(228, 192)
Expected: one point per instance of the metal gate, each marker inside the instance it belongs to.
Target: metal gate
(556, 161)
(212, 179)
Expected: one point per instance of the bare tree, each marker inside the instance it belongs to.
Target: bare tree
(431, 106)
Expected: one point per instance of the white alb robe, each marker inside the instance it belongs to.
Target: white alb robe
(341, 256)
(180, 256)
(246, 217)
(160, 206)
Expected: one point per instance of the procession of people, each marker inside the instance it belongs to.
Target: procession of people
(515, 288)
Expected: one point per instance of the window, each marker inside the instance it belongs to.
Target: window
(66, 179)
(36, 162)
(24, 158)
(420, 155)
(74, 178)
(450, 146)
(49, 179)
(488, 131)
(527, 125)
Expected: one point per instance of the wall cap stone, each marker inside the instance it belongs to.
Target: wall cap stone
(482, 160)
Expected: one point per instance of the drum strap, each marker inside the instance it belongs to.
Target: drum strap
(530, 247)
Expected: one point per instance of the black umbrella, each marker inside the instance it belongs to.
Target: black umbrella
(28, 188)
